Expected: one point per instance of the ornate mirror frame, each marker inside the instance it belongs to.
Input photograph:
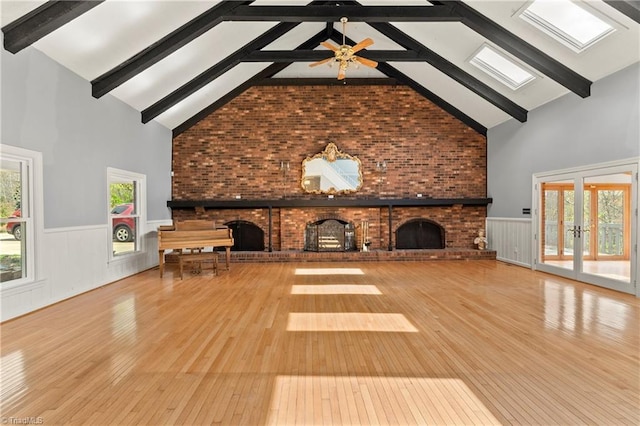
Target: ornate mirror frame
(329, 162)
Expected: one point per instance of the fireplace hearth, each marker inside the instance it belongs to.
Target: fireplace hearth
(330, 235)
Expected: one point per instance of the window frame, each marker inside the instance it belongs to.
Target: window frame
(496, 73)
(115, 175)
(31, 210)
(559, 34)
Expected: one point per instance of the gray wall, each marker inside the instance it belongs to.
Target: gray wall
(568, 132)
(47, 108)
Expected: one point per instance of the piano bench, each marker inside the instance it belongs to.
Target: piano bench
(190, 257)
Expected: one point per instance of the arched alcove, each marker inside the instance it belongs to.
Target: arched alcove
(420, 234)
(247, 236)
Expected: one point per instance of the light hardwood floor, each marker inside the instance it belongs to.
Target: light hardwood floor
(453, 342)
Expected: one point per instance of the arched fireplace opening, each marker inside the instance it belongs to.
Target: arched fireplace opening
(330, 235)
(247, 236)
(420, 234)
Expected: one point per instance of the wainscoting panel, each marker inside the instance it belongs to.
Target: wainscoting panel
(74, 261)
(511, 239)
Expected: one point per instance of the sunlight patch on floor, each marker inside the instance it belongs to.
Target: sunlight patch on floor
(339, 400)
(329, 271)
(335, 289)
(349, 321)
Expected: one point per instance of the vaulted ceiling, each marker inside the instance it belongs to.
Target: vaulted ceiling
(177, 61)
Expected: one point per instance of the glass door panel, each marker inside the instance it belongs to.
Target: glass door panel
(586, 228)
(550, 241)
(568, 222)
(611, 223)
(587, 238)
(606, 227)
(557, 222)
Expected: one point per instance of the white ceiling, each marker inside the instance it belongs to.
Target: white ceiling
(109, 34)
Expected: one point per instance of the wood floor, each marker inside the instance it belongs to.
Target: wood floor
(452, 342)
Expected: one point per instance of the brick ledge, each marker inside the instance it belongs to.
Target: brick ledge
(356, 256)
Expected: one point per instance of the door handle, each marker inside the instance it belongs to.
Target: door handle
(575, 231)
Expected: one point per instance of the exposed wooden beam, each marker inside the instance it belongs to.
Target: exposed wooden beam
(519, 48)
(316, 55)
(162, 48)
(215, 71)
(629, 8)
(268, 72)
(448, 68)
(290, 81)
(41, 21)
(333, 13)
(329, 28)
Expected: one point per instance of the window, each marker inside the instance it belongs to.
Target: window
(17, 227)
(571, 23)
(126, 200)
(500, 67)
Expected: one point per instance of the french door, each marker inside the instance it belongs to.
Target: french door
(587, 225)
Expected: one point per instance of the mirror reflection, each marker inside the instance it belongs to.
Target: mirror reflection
(331, 171)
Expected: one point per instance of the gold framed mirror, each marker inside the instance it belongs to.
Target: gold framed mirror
(331, 172)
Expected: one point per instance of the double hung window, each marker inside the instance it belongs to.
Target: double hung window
(126, 201)
(17, 230)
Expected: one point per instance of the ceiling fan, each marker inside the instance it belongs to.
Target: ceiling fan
(344, 55)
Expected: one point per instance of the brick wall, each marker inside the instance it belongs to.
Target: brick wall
(237, 151)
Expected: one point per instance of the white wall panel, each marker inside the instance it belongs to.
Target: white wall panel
(511, 239)
(76, 261)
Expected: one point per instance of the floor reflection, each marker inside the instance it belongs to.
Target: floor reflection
(121, 365)
(123, 320)
(574, 310)
(12, 379)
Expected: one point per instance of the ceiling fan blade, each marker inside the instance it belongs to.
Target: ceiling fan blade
(364, 43)
(366, 62)
(324, 61)
(329, 45)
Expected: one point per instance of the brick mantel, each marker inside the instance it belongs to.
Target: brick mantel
(327, 202)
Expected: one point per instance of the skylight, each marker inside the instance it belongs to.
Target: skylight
(501, 68)
(566, 21)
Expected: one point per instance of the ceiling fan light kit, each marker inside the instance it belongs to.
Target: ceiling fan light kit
(344, 55)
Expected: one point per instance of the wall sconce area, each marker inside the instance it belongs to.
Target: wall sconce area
(381, 166)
